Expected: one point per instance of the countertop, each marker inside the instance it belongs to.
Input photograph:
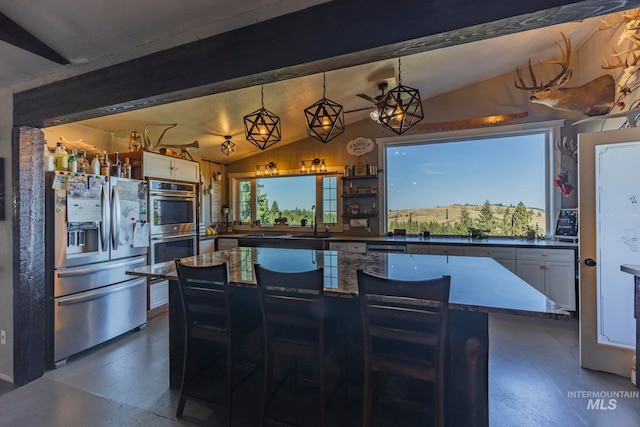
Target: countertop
(494, 241)
(631, 269)
(477, 283)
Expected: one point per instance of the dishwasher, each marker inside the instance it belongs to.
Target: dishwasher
(388, 248)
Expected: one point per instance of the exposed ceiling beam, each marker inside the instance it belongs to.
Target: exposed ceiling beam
(14, 34)
(332, 35)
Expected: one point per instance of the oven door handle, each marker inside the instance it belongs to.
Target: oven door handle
(178, 237)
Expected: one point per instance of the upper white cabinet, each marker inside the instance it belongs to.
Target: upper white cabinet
(551, 271)
(160, 166)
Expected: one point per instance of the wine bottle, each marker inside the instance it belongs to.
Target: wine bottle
(116, 167)
(82, 162)
(104, 164)
(126, 168)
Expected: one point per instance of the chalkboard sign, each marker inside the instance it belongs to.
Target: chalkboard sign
(567, 224)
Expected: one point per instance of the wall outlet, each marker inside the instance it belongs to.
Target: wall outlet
(3, 336)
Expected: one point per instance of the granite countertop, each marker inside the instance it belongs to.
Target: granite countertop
(477, 283)
(451, 240)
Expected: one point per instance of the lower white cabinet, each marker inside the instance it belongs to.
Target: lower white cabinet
(506, 256)
(357, 247)
(551, 271)
(207, 246)
(446, 250)
(418, 249)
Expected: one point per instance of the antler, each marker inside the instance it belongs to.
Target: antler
(564, 64)
(568, 147)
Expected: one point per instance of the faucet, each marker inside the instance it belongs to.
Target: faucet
(315, 220)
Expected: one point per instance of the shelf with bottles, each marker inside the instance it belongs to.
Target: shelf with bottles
(358, 177)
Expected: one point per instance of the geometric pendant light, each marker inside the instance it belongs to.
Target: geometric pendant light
(401, 108)
(228, 147)
(325, 118)
(262, 127)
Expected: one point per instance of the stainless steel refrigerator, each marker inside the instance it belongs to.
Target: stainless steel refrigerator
(96, 230)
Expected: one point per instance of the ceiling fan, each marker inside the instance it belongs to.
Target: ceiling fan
(382, 86)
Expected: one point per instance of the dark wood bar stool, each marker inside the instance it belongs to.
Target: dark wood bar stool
(207, 302)
(404, 329)
(293, 310)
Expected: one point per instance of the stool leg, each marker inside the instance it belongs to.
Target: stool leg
(322, 399)
(266, 384)
(229, 381)
(367, 398)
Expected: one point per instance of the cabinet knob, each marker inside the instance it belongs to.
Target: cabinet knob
(590, 262)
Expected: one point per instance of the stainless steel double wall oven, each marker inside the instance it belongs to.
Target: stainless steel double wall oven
(173, 221)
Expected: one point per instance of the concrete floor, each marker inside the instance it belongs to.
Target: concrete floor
(533, 371)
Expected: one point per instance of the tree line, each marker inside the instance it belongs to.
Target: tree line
(515, 221)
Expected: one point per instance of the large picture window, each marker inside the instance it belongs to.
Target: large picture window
(496, 185)
(290, 200)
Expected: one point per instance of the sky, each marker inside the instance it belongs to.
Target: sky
(503, 170)
(286, 190)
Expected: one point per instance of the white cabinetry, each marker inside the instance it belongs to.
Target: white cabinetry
(503, 255)
(357, 247)
(207, 246)
(160, 166)
(418, 249)
(551, 271)
(227, 243)
(446, 250)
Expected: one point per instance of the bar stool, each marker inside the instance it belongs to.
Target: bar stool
(404, 330)
(206, 300)
(293, 310)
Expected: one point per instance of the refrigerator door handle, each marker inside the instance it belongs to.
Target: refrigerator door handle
(102, 267)
(99, 293)
(115, 218)
(105, 225)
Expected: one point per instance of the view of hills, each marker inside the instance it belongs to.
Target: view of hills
(456, 219)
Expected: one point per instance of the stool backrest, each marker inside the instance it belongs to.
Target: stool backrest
(205, 295)
(292, 304)
(407, 315)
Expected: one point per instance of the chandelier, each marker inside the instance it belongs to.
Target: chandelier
(228, 147)
(325, 118)
(262, 127)
(401, 108)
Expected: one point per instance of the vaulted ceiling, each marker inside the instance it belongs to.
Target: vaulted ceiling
(111, 32)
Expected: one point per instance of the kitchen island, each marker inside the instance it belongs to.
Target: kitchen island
(479, 286)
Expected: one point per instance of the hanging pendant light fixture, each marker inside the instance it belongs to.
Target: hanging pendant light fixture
(401, 108)
(325, 118)
(228, 147)
(262, 127)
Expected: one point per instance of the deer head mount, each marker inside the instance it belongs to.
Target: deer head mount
(592, 99)
(628, 58)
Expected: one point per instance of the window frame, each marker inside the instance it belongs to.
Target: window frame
(236, 178)
(551, 130)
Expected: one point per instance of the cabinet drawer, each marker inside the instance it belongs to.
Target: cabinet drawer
(545, 254)
(358, 247)
(337, 246)
(446, 250)
(493, 252)
(417, 249)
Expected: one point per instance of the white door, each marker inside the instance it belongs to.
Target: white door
(597, 351)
